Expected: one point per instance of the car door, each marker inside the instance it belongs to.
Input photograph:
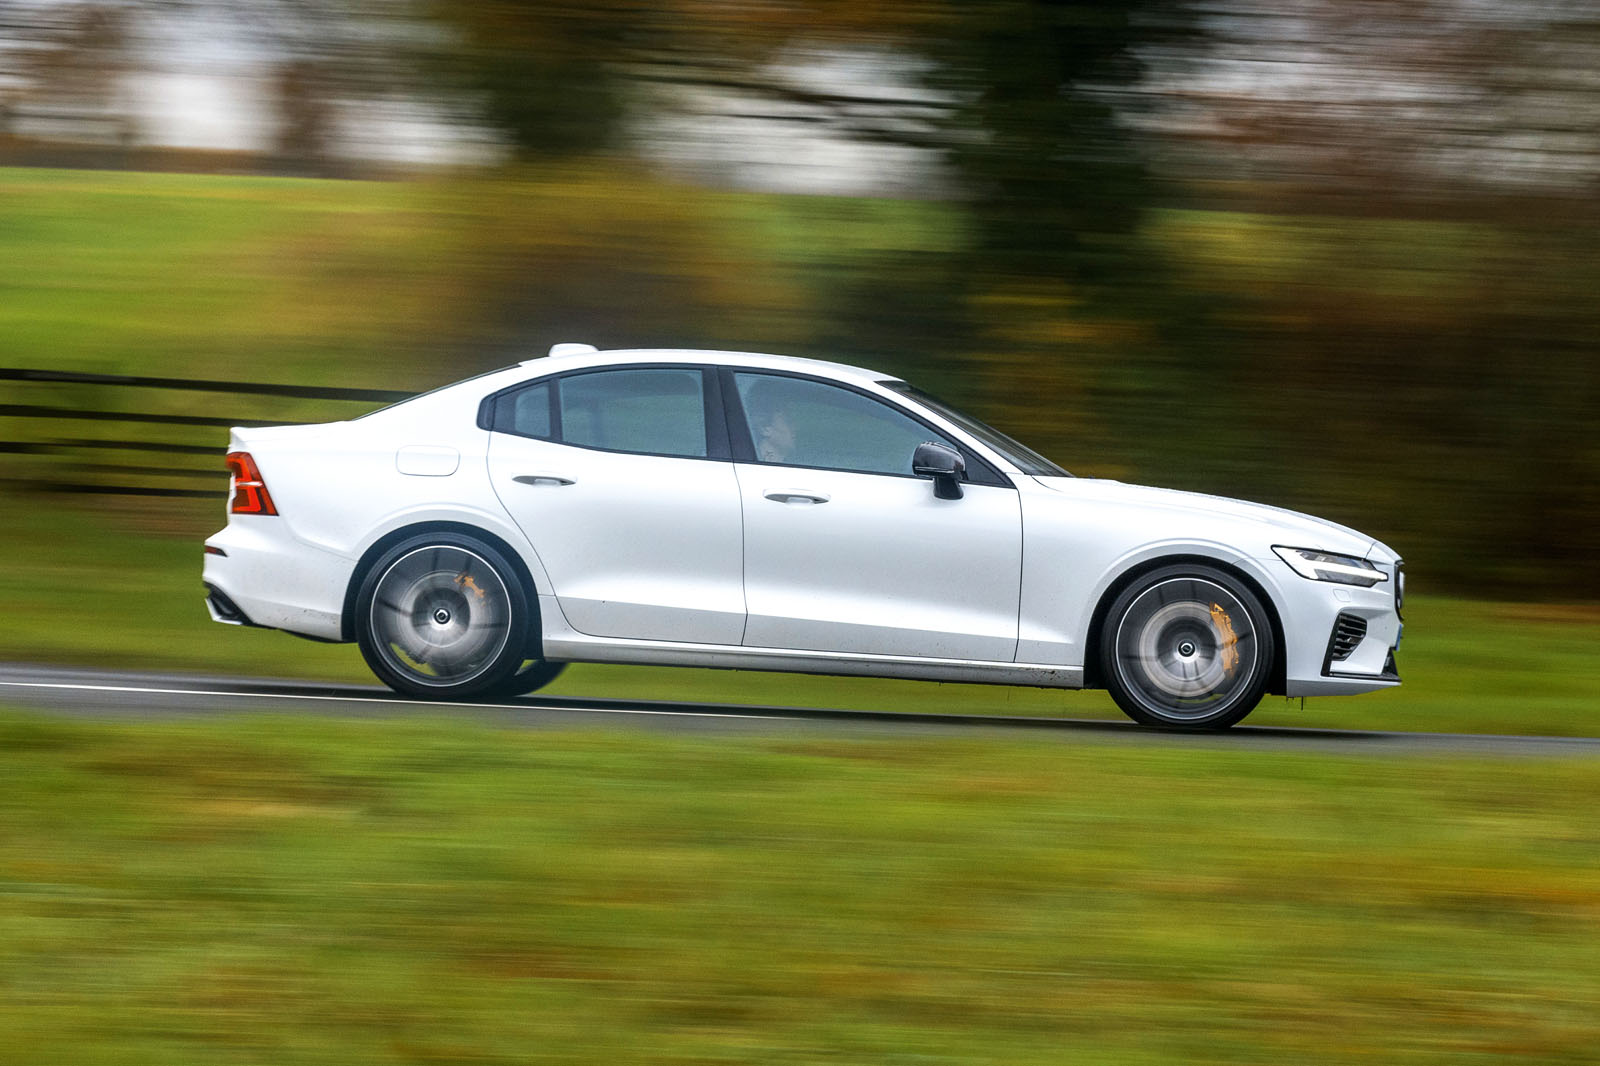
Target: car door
(845, 550)
(621, 479)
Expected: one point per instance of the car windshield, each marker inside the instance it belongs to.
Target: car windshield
(1020, 455)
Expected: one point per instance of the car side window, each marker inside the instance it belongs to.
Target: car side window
(525, 412)
(799, 422)
(655, 411)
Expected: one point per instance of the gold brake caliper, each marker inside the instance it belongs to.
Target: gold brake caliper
(465, 583)
(1224, 624)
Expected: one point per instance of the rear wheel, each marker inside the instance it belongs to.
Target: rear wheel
(1187, 646)
(444, 616)
(534, 675)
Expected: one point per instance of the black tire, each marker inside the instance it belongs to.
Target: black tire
(1187, 647)
(534, 675)
(444, 616)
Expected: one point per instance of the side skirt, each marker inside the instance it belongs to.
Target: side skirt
(575, 647)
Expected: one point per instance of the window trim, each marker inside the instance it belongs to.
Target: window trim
(979, 470)
(712, 407)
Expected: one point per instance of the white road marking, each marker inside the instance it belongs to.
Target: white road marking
(388, 700)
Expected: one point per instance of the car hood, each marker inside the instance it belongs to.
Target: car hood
(1291, 527)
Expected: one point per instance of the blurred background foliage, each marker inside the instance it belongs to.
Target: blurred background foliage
(1338, 255)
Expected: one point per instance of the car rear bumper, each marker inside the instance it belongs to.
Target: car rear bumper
(257, 574)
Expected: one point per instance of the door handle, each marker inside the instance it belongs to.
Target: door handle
(797, 496)
(542, 479)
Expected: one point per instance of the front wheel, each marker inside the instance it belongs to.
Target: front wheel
(1187, 647)
(443, 616)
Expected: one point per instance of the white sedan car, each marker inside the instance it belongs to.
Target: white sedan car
(769, 513)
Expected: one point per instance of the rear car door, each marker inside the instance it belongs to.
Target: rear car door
(621, 479)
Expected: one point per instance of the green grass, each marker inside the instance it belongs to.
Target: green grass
(293, 890)
(197, 276)
(123, 590)
(406, 284)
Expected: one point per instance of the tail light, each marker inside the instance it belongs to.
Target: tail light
(250, 495)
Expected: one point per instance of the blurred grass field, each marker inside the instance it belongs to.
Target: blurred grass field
(305, 890)
(96, 590)
(396, 284)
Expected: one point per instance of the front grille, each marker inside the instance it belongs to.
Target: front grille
(1399, 589)
(1348, 631)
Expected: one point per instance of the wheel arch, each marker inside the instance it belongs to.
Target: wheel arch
(347, 622)
(1092, 677)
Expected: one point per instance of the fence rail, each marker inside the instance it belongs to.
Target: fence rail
(39, 451)
(298, 392)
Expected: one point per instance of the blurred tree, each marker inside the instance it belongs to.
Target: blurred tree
(68, 64)
(1390, 101)
(1061, 301)
(1037, 128)
(544, 74)
(1023, 96)
(304, 97)
(327, 67)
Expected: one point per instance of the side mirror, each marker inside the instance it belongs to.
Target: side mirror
(941, 463)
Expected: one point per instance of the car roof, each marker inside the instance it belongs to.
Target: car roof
(576, 358)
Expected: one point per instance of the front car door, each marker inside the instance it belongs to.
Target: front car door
(621, 479)
(845, 550)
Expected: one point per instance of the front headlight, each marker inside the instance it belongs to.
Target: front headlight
(1325, 566)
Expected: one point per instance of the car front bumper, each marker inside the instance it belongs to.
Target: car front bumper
(1342, 638)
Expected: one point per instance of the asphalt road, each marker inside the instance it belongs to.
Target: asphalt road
(113, 694)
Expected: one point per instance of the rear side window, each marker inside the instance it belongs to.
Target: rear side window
(526, 412)
(648, 410)
(659, 412)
